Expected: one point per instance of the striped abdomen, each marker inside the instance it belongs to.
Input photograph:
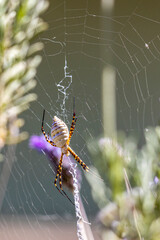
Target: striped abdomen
(59, 132)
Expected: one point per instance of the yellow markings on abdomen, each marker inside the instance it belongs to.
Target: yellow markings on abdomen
(59, 132)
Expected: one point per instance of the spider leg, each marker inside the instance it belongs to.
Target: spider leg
(59, 173)
(84, 166)
(45, 135)
(73, 124)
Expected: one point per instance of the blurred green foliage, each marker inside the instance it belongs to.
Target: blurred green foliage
(130, 203)
(19, 24)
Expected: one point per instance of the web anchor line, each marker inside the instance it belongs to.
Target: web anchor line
(80, 220)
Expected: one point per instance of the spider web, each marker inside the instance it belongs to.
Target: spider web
(80, 41)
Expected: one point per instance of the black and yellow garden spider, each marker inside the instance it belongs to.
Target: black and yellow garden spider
(61, 137)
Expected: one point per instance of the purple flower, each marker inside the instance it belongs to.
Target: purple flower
(156, 180)
(54, 153)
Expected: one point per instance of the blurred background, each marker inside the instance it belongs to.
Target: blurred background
(105, 54)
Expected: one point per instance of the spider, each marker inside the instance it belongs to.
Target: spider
(61, 137)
